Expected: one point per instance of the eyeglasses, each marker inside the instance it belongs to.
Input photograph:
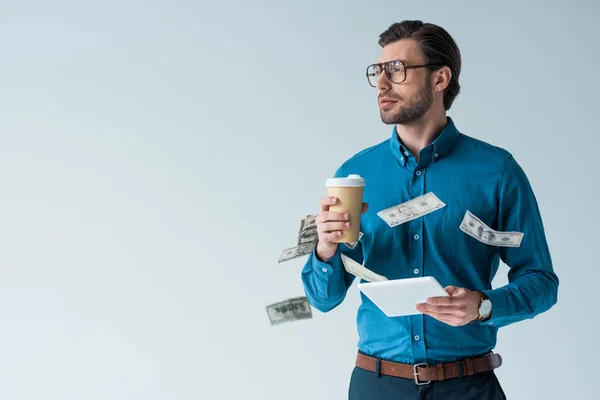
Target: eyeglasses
(394, 70)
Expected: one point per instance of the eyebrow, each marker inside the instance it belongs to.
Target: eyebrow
(398, 59)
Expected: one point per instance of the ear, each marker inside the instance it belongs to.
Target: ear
(441, 79)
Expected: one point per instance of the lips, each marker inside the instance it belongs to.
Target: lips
(386, 102)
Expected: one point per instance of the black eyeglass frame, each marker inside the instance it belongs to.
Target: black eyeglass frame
(385, 67)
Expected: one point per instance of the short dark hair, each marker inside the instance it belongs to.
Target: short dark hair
(436, 45)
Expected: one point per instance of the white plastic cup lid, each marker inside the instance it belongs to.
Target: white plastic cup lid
(351, 180)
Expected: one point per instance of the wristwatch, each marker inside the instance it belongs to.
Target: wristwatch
(485, 307)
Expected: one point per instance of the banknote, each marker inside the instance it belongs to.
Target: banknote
(411, 209)
(352, 245)
(354, 268)
(308, 230)
(289, 310)
(473, 226)
(297, 251)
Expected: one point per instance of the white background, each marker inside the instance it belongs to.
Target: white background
(157, 157)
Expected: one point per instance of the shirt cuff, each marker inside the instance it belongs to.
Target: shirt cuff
(326, 268)
(500, 308)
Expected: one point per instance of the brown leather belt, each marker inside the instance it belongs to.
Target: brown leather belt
(424, 373)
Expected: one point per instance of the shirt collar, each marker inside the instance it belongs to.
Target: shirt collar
(440, 146)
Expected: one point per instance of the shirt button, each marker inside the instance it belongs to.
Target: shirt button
(418, 173)
(401, 158)
(416, 271)
(406, 153)
(324, 269)
(435, 155)
(416, 237)
(417, 337)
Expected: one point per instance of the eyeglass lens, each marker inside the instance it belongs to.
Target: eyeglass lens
(395, 73)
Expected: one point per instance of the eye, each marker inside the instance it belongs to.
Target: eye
(397, 66)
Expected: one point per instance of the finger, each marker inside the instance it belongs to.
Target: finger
(441, 301)
(365, 207)
(451, 289)
(327, 201)
(327, 237)
(334, 226)
(428, 308)
(326, 216)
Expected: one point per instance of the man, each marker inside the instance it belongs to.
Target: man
(486, 234)
(406, 210)
(446, 351)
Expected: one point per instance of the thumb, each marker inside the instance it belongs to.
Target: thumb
(365, 207)
(451, 289)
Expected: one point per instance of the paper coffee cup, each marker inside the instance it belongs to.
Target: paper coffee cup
(349, 192)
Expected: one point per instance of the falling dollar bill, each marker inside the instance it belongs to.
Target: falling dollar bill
(354, 268)
(298, 251)
(308, 230)
(352, 245)
(473, 226)
(411, 209)
(293, 309)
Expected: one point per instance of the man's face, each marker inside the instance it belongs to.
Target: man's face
(487, 235)
(405, 210)
(411, 98)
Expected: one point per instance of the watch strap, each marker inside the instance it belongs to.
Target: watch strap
(482, 297)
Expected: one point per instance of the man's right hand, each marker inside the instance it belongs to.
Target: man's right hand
(330, 226)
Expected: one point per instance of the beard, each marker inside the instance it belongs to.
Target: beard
(414, 110)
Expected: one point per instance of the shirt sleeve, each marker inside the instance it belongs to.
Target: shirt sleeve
(533, 284)
(326, 282)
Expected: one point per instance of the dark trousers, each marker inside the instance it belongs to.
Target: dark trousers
(366, 385)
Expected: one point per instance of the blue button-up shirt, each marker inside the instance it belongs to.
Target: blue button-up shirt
(465, 174)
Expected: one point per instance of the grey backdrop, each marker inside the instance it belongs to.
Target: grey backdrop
(156, 157)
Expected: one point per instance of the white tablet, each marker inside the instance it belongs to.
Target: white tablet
(399, 297)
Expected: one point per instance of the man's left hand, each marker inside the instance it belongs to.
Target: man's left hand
(459, 309)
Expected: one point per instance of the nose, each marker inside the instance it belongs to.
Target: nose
(383, 83)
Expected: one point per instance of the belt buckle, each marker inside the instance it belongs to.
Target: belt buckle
(416, 374)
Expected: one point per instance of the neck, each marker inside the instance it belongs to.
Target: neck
(420, 134)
